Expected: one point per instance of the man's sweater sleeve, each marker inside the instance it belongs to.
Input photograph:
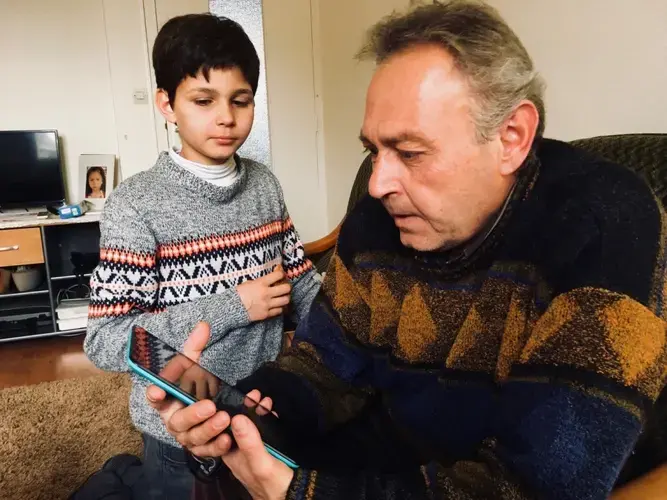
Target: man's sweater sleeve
(124, 293)
(570, 413)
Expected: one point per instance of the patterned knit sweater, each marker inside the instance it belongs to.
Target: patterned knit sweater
(173, 249)
(524, 370)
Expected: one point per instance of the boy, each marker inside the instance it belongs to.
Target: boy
(202, 236)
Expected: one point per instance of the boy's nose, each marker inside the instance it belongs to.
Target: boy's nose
(225, 116)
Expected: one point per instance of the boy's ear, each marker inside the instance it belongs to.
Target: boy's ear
(163, 104)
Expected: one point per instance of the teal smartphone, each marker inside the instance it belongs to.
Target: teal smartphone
(187, 381)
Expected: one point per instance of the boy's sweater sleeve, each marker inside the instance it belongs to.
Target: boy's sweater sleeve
(305, 280)
(124, 292)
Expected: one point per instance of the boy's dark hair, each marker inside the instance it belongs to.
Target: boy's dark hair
(201, 42)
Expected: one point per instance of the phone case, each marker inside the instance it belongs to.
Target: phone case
(187, 399)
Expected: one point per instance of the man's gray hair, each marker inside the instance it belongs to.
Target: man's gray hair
(485, 49)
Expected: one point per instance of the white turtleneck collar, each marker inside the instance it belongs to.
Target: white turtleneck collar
(220, 175)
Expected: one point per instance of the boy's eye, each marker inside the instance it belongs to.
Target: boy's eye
(241, 104)
(203, 102)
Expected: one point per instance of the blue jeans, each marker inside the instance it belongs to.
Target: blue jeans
(166, 473)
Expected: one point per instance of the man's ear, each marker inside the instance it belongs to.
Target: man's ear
(517, 135)
(163, 104)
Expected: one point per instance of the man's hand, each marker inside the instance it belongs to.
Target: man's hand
(175, 369)
(199, 382)
(199, 428)
(267, 296)
(265, 477)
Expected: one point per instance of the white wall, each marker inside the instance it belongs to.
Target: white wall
(74, 65)
(604, 61)
(55, 74)
(137, 129)
(293, 114)
(340, 27)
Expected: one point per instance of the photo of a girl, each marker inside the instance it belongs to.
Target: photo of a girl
(96, 184)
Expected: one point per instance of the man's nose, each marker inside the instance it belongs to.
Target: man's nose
(384, 179)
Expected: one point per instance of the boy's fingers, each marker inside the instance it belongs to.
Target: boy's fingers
(280, 290)
(281, 301)
(276, 311)
(175, 368)
(213, 387)
(274, 277)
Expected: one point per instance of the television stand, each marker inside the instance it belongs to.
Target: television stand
(51, 241)
(21, 212)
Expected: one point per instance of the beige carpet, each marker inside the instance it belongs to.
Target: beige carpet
(54, 435)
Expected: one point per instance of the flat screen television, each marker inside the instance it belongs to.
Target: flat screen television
(30, 169)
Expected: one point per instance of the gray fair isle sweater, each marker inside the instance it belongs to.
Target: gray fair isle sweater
(173, 249)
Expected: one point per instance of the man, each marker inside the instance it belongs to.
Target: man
(491, 325)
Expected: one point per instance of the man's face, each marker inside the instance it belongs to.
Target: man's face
(214, 117)
(436, 180)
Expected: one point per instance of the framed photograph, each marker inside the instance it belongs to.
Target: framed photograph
(97, 178)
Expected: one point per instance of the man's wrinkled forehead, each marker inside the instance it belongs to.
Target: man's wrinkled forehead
(410, 89)
(418, 71)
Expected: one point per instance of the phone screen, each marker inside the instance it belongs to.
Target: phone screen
(190, 382)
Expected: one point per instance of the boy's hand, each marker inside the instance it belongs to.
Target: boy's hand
(267, 296)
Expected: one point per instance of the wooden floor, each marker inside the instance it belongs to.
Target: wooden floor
(29, 362)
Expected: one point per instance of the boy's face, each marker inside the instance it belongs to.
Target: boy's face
(214, 117)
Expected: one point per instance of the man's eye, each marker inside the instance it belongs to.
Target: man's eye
(409, 155)
(242, 104)
(203, 102)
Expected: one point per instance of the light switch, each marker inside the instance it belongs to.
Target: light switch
(140, 96)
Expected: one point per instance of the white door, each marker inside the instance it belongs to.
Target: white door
(158, 12)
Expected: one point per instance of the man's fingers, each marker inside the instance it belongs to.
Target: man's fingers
(279, 290)
(252, 398)
(264, 407)
(185, 419)
(158, 400)
(155, 395)
(247, 438)
(220, 446)
(209, 430)
(197, 341)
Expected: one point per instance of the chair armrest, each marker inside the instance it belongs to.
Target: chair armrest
(323, 244)
(651, 486)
